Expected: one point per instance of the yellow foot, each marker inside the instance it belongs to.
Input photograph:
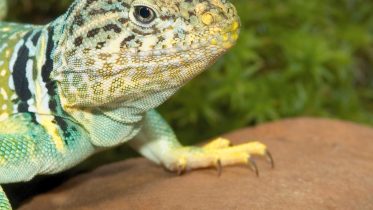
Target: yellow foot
(218, 153)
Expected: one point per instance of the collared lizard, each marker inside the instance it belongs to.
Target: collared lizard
(91, 79)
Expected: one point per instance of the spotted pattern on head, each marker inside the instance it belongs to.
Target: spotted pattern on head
(107, 55)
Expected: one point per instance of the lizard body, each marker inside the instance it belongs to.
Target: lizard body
(91, 79)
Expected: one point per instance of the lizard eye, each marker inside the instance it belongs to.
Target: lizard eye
(144, 15)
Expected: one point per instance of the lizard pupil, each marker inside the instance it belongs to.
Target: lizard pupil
(144, 14)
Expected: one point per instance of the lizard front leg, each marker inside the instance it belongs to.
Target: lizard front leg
(157, 142)
(4, 202)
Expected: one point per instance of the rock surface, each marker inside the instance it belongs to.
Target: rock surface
(320, 164)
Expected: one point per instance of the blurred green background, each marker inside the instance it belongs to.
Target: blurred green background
(293, 58)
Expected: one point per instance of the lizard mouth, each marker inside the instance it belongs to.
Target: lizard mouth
(215, 41)
(220, 39)
(216, 44)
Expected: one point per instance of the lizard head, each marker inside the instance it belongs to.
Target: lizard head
(124, 51)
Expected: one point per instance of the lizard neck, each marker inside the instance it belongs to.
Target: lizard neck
(112, 125)
(107, 126)
(45, 94)
(117, 121)
(30, 88)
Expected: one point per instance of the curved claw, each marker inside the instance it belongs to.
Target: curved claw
(219, 167)
(270, 159)
(180, 170)
(253, 166)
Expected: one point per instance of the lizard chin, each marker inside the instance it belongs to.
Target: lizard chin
(129, 85)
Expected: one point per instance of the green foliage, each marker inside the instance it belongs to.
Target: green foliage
(293, 58)
(36, 11)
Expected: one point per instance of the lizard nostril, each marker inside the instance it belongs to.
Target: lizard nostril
(207, 18)
(235, 25)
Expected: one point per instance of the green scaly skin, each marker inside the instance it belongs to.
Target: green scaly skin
(90, 80)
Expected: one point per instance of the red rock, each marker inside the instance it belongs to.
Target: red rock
(320, 164)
